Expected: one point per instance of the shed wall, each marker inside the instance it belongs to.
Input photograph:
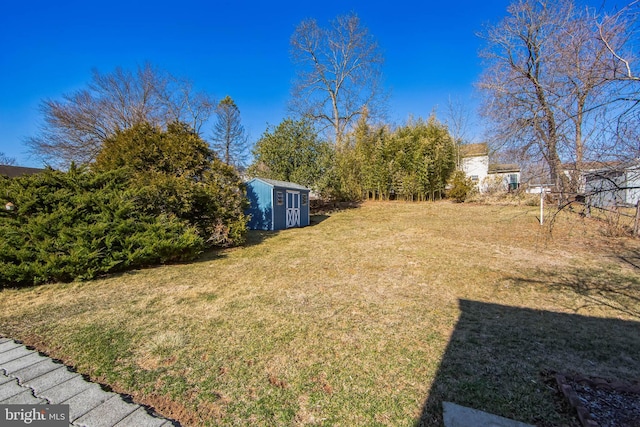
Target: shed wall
(633, 186)
(260, 197)
(606, 189)
(279, 211)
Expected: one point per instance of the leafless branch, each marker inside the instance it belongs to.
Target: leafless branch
(338, 75)
(75, 127)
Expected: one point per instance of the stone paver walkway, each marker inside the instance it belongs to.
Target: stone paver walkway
(461, 416)
(28, 378)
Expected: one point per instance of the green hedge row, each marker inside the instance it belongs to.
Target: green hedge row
(58, 226)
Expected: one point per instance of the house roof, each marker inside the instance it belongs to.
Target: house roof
(16, 171)
(503, 168)
(473, 150)
(285, 184)
(593, 166)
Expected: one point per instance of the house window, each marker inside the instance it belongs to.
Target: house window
(304, 199)
(279, 198)
(513, 178)
(474, 178)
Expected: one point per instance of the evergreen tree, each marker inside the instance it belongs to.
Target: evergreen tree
(292, 152)
(229, 137)
(178, 174)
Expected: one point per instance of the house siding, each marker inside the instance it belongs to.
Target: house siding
(474, 162)
(476, 166)
(633, 186)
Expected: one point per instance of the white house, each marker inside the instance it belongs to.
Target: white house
(474, 162)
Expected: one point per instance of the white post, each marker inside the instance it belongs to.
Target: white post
(541, 205)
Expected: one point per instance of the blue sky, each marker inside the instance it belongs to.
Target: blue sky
(238, 48)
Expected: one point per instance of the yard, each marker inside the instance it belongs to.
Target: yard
(372, 316)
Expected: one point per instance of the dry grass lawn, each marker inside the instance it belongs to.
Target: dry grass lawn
(372, 316)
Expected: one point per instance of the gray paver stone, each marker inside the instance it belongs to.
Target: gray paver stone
(22, 362)
(85, 401)
(108, 413)
(65, 390)
(4, 378)
(50, 379)
(24, 398)
(14, 353)
(140, 418)
(30, 372)
(461, 416)
(8, 345)
(9, 389)
(26, 377)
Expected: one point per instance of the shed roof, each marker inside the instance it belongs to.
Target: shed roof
(285, 184)
(473, 150)
(16, 171)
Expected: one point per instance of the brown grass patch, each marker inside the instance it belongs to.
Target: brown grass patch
(371, 317)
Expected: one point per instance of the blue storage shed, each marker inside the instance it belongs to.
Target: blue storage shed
(276, 205)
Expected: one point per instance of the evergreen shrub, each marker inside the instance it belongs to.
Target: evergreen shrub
(81, 224)
(460, 187)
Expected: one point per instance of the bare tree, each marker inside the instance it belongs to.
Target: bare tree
(458, 122)
(339, 73)
(4, 160)
(229, 137)
(75, 127)
(546, 81)
(615, 32)
(618, 32)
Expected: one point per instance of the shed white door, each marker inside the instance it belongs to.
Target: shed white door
(293, 209)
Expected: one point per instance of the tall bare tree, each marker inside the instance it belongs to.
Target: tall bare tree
(229, 136)
(458, 123)
(546, 80)
(75, 127)
(339, 73)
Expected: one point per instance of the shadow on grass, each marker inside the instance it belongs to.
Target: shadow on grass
(319, 207)
(498, 355)
(594, 287)
(629, 255)
(254, 238)
(317, 219)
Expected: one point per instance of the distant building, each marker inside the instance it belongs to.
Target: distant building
(577, 175)
(16, 171)
(474, 162)
(611, 185)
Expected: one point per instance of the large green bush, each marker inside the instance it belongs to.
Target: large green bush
(81, 224)
(178, 174)
(153, 196)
